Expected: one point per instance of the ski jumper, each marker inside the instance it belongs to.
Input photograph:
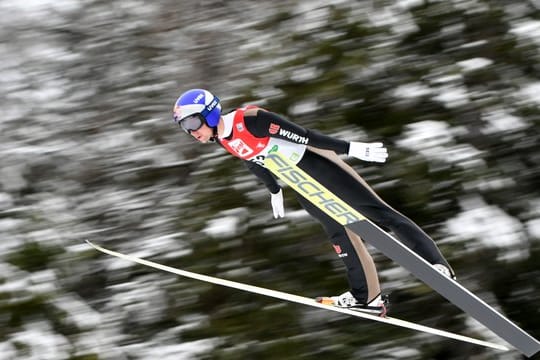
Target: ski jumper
(250, 133)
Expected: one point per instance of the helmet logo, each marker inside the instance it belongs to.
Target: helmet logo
(198, 98)
(212, 105)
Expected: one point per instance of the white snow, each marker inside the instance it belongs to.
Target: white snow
(42, 282)
(396, 17)
(304, 107)
(527, 29)
(143, 301)
(474, 44)
(412, 90)
(8, 350)
(9, 224)
(491, 226)
(185, 351)
(435, 141)
(474, 64)
(530, 92)
(533, 228)
(12, 177)
(312, 15)
(228, 224)
(41, 342)
(500, 121)
(452, 96)
(23, 285)
(409, 4)
(223, 227)
(78, 311)
(305, 74)
(6, 201)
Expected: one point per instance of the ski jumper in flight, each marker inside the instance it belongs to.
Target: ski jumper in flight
(250, 133)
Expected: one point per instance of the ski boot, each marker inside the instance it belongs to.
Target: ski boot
(445, 270)
(377, 306)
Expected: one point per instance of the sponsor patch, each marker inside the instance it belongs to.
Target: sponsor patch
(240, 147)
(311, 189)
(294, 137)
(273, 129)
(339, 251)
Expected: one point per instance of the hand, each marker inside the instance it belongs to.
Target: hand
(368, 151)
(277, 204)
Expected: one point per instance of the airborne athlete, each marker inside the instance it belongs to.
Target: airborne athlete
(250, 133)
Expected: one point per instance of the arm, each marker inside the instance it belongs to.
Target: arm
(262, 123)
(264, 175)
(276, 195)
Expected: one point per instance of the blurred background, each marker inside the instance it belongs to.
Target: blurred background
(88, 150)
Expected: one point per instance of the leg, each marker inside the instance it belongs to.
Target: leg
(361, 271)
(351, 188)
(368, 265)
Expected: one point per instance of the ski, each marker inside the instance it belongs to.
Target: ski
(344, 214)
(298, 299)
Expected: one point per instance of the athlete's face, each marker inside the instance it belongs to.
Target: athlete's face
(203, 134)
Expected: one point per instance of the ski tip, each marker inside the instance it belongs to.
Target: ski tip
(90, 243)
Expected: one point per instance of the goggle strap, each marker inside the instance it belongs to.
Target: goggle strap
(208, 108)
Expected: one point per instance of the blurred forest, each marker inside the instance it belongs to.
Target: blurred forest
(88, 150)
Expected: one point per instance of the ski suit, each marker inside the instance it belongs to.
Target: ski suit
(251, 132)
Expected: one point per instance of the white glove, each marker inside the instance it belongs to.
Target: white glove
(368, 151)
(277, 204)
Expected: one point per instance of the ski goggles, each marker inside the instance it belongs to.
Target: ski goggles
(191, 123)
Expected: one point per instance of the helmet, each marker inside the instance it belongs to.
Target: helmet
(198, 101)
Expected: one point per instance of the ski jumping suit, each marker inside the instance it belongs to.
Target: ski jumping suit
(250, 133)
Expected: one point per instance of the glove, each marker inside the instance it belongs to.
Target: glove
(277, 204)
(368, 151)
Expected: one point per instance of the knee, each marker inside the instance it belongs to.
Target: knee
(338, 236)
(392, 220)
